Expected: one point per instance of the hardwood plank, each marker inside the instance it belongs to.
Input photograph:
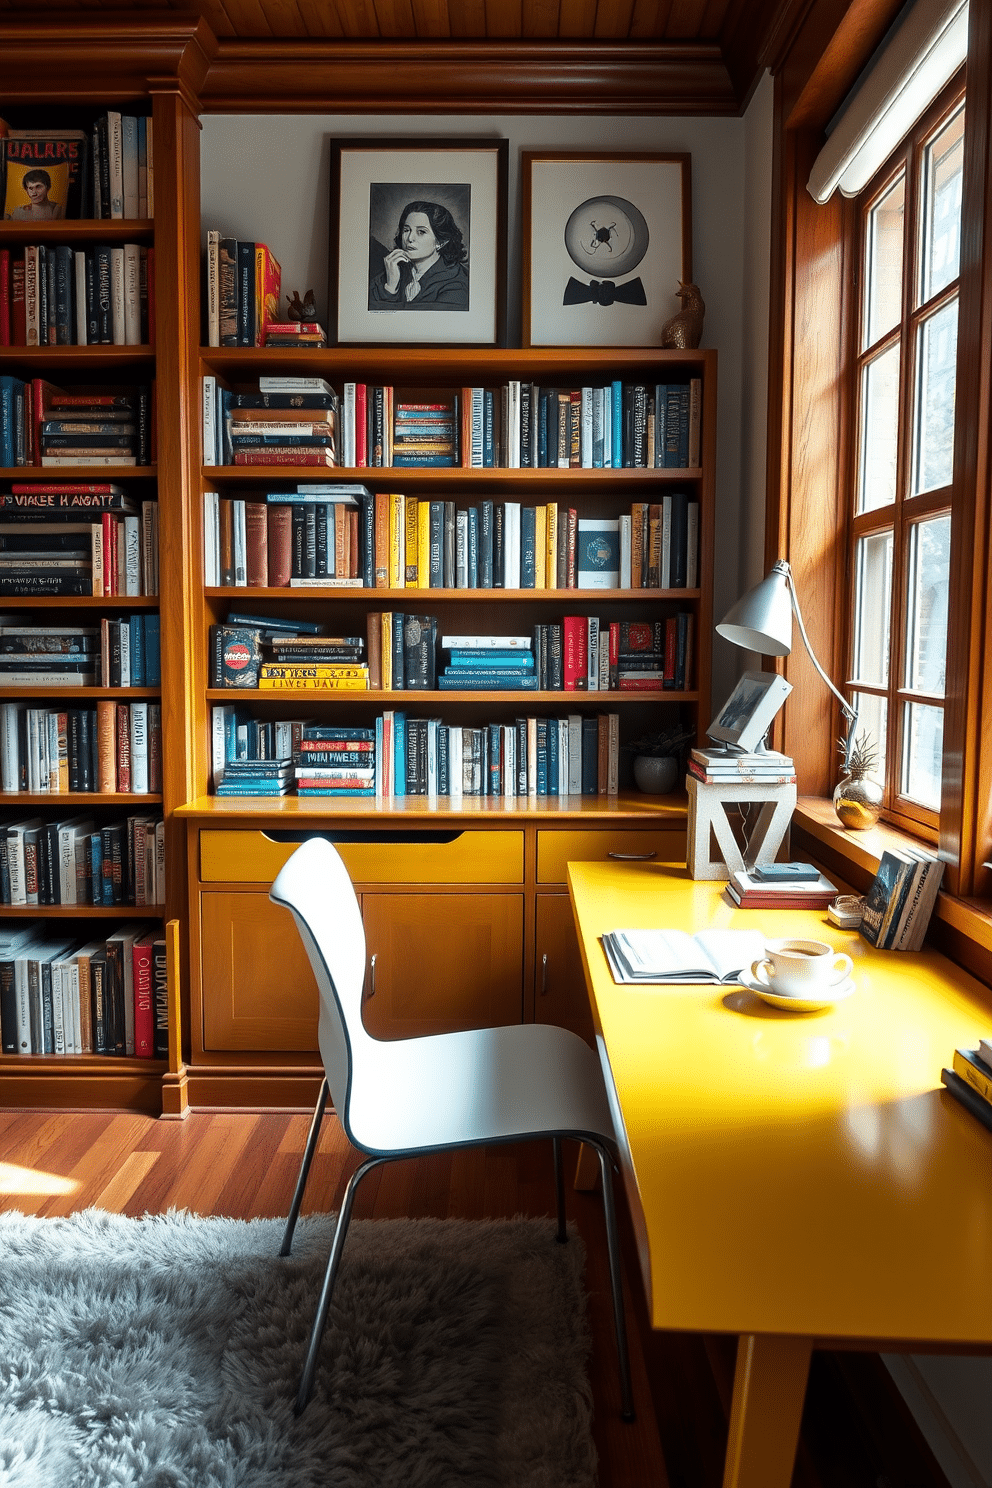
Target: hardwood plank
(92, 1167)
(432, 18)
(319, 18)
(540, 18)
(649, 19)
(118, 1195)
(576, 18)
(395, 18)
(613, 19)
(199, 1184)
(504, 18)
(467, 18)
(357, 18)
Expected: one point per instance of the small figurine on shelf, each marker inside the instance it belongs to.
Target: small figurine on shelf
(301, 327)
(684, 331)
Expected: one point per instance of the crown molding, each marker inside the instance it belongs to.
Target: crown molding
(101, 58)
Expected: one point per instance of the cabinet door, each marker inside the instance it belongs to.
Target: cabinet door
(258, 990)
(560, 986)
(443, 962)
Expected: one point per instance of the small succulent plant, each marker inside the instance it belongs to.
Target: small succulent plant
(864, 754)
(664, 745)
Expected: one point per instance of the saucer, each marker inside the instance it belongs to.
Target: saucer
(824, 999)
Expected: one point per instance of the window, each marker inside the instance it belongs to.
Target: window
(900, 530)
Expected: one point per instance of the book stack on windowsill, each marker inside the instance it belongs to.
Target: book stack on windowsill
(970, 1080)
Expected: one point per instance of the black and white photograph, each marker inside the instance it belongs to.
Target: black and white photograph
(607, 242)
(418, 241)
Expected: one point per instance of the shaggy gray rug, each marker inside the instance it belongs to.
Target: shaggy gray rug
(165, 1352)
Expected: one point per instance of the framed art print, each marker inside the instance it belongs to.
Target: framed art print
(418, 241)
(607, 240)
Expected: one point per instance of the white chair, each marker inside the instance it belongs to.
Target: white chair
(398, 1099)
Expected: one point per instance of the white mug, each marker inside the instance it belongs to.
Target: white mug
(801, 968)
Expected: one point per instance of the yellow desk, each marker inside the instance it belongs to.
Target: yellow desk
(801, 1180)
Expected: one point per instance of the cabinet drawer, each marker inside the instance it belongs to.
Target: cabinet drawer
(556, 849)
(470, 857)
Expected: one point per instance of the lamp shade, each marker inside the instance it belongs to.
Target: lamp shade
(762, 620)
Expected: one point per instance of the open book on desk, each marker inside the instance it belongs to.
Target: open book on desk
(717, 956)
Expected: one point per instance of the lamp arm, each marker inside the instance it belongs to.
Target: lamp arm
(850, 712)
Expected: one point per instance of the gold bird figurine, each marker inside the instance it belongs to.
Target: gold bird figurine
(684, 330)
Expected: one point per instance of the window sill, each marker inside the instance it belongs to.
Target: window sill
(971, 918)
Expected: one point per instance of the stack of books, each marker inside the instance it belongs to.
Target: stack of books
(243, 288)
(77, 539)
(256, 777)
(725, 767)
(289, 421)
(901, 898)
(109, 996)
(41, 656)
(335, 762)
(423, 434)
(970, 1080)
(89, 429)
(488, 664)
(317, 663)
(815, 892)
(296, 333)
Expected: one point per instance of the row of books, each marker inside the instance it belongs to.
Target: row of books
(109, 553)
(107, 996)
(119, 652)
(340, 535)
(62, 296)
(106, 171)
(401, 756)
(521, 425)
(970, 1080)
(399, 651)
(74, 861)
(900, 899)
(113, 748)
(42, 424)
(243, 284)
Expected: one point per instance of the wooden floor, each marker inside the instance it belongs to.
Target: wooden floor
(856, 1433)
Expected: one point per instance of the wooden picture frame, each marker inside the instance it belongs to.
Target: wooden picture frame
(607, 238)
(376, 294)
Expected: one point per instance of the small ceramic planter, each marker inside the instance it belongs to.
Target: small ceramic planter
(656, 775)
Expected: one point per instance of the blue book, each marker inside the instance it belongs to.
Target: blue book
(495, 773)
(378, 755)
(153, 649)
(660, 422)
(542, 427)
(553, 752)
(473, 547)
(616, 399)
(521, 660)
(319, 790)
(252, 786)
(481, 681)
(399, 668)
(486, 545)
(528, 546)
(443, 761)
(399, 754)
(9, 388)
(137, 652)
(96, 867)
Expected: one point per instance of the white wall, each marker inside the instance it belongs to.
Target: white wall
(265, 178)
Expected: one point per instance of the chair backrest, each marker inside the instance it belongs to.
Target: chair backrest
(315, 886)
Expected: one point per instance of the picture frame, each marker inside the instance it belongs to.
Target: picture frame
(607, 239)
(747, 714)
(396, 282)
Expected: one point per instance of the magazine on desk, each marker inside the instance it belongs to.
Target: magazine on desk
(717, 956)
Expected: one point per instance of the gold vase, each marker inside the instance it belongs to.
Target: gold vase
(858, 802)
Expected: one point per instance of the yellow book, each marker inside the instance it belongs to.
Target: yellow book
(412, 540)
(540, 546)
(313, 684)
(551, 547)
(397, 542)
(423, 544)
(969, 1064)
(303, 672)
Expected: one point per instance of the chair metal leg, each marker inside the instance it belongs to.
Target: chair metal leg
(562, 1235)
(616, 1284)
(333, 1260)
(301, 1182)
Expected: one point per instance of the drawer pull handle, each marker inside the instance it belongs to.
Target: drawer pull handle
(632, 857)
(372, 976)
(544, 975)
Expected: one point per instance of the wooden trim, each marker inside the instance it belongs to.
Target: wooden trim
(477, 77)
(97, 59)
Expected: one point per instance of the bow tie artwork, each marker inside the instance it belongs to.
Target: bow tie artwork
(606, 236)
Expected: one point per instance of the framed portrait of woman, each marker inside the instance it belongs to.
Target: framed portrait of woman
(418, 241)
(607, 240)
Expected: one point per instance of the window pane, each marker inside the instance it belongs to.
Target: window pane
(941, 227)
(872, 720)
(926, 617)
(933, 417)
(879, 428)
(871, 609)
(922, 743)
(883, 264)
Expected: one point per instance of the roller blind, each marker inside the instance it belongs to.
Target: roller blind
(919, 57)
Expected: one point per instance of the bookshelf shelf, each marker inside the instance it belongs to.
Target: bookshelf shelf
(454, 365)
(81, 1064)
(85, 798)
(83, 911)
(441, 477)
(41, 359)
(83, 694)
(412, 697)
(557, 597)
(95, 473)
(80, 602)
(79, 230)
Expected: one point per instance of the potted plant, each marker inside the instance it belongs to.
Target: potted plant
(658, 759)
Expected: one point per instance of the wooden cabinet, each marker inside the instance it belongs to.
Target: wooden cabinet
(262, 995)
(560, 988)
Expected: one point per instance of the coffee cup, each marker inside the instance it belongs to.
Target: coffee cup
(801, 968)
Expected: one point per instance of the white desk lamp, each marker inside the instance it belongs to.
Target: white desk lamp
(762, 621)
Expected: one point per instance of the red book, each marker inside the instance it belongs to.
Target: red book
(268, 284)
(289, 455)
(361, 426)
(256, 544)
(280, 544)
(671, 649)
(4, 296)
(18, 316)
(42, 393)
(144, 1016)
(575, 646)
(108, 527)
